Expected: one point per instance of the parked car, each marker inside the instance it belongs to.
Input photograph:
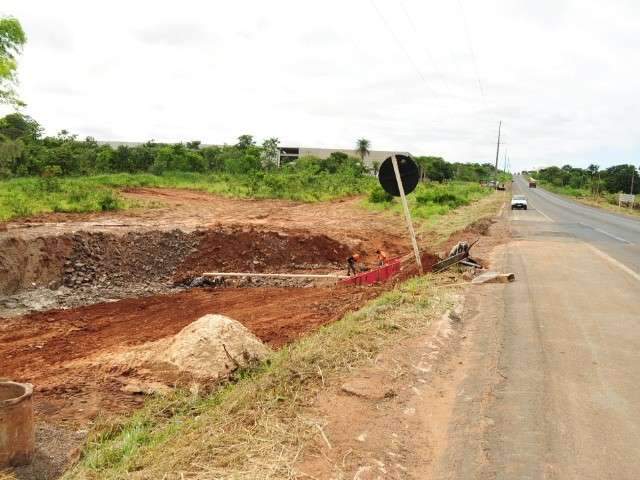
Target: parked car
(532, 184)
(519, 201)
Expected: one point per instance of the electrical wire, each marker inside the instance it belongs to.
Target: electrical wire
(470, 45)
(400, 44)
(430, 56)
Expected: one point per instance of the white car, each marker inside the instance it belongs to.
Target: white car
(518, 201)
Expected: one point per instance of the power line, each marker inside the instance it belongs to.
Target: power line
(397, 40)
(470, 45)
(424, 46)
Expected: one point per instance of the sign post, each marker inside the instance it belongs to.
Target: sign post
(407, 214)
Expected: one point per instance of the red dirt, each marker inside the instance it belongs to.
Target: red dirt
(249, 250)
(49, 349)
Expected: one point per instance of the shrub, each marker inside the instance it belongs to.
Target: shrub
(379, 195)
(109, 201)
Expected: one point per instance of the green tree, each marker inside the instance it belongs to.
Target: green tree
(362, 147)
(12, 39)
(245, 141)
(271, 152)
(435, 168)
(375, 167)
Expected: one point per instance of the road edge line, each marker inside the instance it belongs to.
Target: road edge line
(544, 215)
(614, 262)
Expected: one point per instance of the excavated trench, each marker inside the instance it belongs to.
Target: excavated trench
(91, 267)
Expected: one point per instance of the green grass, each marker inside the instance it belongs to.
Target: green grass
(23, 197)
(29, 196)
(607, 201)
(431, 199)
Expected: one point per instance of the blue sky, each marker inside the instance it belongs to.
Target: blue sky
(425, 76)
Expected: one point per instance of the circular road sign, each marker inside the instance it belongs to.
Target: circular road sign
(409, 175)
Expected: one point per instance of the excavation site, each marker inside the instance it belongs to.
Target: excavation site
(79, 294)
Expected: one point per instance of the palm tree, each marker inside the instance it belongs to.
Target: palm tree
(362, 147)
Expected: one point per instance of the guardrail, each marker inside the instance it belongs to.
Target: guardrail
(379, 274)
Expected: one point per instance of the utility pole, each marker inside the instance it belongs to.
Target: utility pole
(497, 155)
(633, 174)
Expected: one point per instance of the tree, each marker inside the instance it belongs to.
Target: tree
(271, 152)
(375, 166)
(435, 168)
(16, 125)
(12, 38)
(245, 141)
(362, 147)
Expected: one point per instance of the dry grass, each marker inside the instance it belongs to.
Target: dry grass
(257, 425)
(606, 205)
(435, 231)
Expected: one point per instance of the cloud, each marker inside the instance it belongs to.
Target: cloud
(181, 35)
(562, 76)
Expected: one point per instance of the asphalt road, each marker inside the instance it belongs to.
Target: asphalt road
(552, 389)
(617, 235)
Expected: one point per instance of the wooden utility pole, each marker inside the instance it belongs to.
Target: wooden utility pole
(633, 174)
(407, 214)
(497, 155)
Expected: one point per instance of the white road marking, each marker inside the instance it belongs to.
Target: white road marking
(614, 262)
(544, 214)
(620, 239)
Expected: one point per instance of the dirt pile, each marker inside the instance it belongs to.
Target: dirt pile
(242, 250)
(205, 352)
(26, 264)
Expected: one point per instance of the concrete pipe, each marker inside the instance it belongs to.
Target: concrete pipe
(17, 429)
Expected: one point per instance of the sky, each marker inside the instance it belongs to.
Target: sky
(424, 76)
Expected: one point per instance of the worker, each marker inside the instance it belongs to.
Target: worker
(352, 262)
(382, 257)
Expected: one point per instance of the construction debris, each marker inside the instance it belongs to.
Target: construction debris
(494, 277)
(458, 254)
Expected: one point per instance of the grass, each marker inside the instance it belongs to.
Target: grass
(257, 425)
(431, 199)
(438, 210)
(29, 196)
(607, 201)
(24, 197)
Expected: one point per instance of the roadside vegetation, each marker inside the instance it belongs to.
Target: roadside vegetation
(430, 198)
(592, 186)
(41, 174)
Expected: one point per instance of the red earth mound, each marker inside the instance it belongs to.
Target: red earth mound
(242, 250)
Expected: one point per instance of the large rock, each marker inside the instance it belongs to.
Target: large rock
(204, 352)
(211, 347)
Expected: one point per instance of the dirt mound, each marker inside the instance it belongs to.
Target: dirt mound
(251, 250)
(33, 263)
(206, 351)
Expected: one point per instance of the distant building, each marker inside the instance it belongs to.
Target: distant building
(291, 154)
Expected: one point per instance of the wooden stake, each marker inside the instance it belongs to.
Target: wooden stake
(407, 214)
(272, 275)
